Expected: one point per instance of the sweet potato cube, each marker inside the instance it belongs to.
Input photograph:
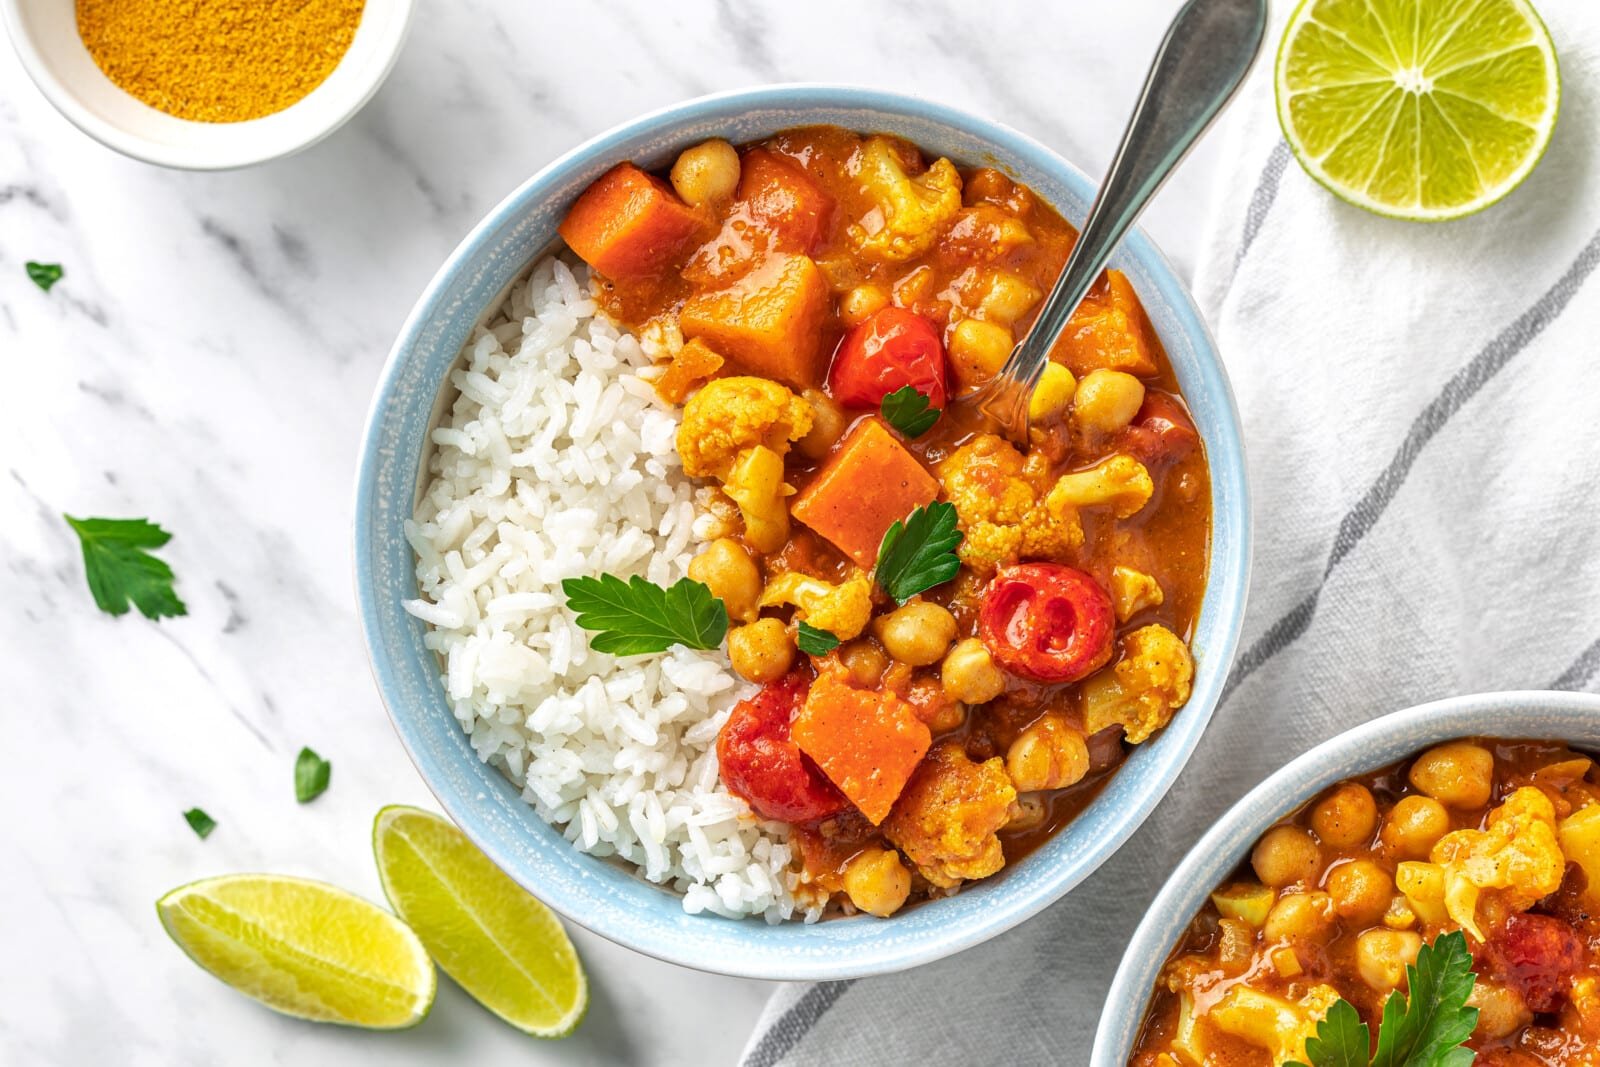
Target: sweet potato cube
(866, 485)
(781, 198)
(868, 742)
(769, 321)
(1108, 331)
(628, 224)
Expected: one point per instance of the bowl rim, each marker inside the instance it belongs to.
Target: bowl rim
(1236, 556)
(1223, 847)
(200, 157)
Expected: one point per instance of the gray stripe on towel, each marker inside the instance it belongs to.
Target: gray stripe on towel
(1466, 382)
(1583, 669)
(1261, 200)
(781, 1038)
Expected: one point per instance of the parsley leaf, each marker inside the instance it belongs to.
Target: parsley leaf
(119, 569)
(920, 553)
(1342, 1039)
(1421, 1031)
(815, 642)
(633, 617)
(311, 775)
(201, 823)
(1426, 1030)
(44, 275)
(907, 411)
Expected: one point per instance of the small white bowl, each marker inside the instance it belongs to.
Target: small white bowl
(45, 34)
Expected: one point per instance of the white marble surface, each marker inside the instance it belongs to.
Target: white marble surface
(207, 363)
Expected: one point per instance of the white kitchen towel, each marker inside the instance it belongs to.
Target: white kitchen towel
(1422, 417)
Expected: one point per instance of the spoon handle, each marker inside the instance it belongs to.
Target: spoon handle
(1202, 61)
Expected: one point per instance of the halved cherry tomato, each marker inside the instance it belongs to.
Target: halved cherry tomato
(1046, 621)
(892, 349)
(1161, 432)
(763, 766)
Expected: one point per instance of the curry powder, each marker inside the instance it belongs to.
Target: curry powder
(218, 60)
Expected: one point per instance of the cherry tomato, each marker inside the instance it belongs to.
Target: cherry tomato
(892, 349)
(1046, 621)
(1161, 432)
(764, 767)
(1537, 955)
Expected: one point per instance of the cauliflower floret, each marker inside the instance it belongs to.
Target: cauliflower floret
(1517, 852)
(996, 497)
(1121, 482)
(909, 211)
(1132, 591)
(949, 815)
(731, 415)
(756, 484)
(1270, 1022)
(1144, 689)
(843, 610)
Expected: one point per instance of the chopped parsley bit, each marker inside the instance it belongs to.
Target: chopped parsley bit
(44, 275)
(119, 569)
(201, 823)
(907, 411)
(634, 617)
(311, 774)
(815, 642)
(920, 553)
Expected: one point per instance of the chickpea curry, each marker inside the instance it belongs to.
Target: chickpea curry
(957, 640)
(1494, 843)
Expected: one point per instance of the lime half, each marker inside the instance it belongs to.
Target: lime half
(488, 933)
(303, 948)
(1419, 109)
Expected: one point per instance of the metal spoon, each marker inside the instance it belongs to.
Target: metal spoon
(1203, 59)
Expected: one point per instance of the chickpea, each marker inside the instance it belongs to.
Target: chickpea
(877, 882)
(1361, 891)
(1346, 817)
(969, 674)
(861, 303)
(1107, 400)
(1052, 395)
(917, 634)
(1457, 775)
(865, 661)
(1050, 754)
(762, 651)
(1286, 855)
(727, 569)
(1029, 813)
(1413, 825)
(1501, 1009)
(1382, 956)
(828, 423)
(978, 349)
(708, 173)
(1300, 917)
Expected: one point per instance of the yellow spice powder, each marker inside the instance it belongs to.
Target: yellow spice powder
(218, 60)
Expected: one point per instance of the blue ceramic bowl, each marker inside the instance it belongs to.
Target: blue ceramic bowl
(1536, 715)
(603, 897)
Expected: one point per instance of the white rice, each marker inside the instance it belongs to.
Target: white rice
(555, 460)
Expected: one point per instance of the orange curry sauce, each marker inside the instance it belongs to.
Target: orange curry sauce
(1001, 226)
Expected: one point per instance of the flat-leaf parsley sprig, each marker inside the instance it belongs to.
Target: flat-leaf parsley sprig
(120, 569)
(630, 618)
(918, 554)
(813, 641)
(1426, 1029)
(909, 412)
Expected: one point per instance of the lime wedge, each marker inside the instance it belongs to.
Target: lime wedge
(488, 933)
(304, 948)
(1418, 109)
